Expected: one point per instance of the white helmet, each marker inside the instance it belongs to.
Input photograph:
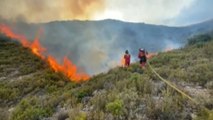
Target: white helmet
(141, 49)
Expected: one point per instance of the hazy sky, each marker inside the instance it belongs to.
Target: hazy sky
(166, 12)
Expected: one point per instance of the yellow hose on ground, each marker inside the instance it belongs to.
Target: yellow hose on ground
(174, 87)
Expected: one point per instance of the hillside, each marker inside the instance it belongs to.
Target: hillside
(30, 90)
(108, 38)
(59, 32)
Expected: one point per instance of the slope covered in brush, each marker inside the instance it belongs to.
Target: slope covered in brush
(30, 90)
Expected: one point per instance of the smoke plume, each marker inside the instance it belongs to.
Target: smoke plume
(48, 10)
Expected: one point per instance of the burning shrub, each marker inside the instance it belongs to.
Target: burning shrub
(67, 68)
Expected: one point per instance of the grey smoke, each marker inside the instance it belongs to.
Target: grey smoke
(96, 46)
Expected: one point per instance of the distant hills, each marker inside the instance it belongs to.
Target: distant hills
(98, 45)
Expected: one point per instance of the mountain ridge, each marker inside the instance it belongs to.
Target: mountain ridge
(115, 20)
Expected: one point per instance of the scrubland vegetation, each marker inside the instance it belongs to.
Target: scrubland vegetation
(30, 90)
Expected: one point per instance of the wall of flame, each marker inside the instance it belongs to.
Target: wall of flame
(67, 67)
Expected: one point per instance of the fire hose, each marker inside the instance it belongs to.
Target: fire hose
(175, 87)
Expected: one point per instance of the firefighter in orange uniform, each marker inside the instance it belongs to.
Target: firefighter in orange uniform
(127, 58)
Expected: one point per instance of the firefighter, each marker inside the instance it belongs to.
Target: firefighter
(142, 56)
(127, 58)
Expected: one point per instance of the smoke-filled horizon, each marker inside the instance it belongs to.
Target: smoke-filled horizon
(161, 12)
(97, 46)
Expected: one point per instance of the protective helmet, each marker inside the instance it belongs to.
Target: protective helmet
(141, 49)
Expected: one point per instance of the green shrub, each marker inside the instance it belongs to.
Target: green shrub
(143, 85)
(4, 114)
(30, 110)
(208, 50)
(96, 115)
(7, 93)
(77, 114)
(51, 89)
(99, 101)
(204, 115)
(199, 39)
(80, 116)
(115, 107)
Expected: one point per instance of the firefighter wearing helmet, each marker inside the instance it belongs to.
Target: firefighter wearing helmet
(142, 56)
(127, 58)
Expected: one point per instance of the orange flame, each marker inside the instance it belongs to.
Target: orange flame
(151, 55)
(68, 68)
(37, 49)
(122, 61)
(8, 32)
(168, 49)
